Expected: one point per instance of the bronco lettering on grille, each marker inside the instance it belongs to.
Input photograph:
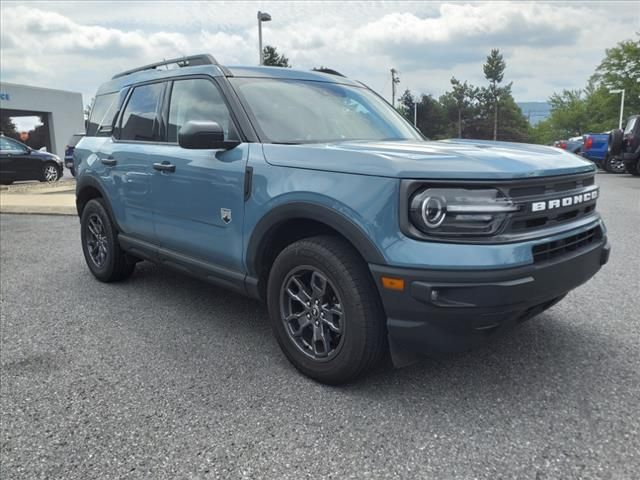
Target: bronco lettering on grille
(564, 202)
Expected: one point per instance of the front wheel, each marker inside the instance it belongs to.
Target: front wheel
(105, 259)
(325, 310)
(50, 173)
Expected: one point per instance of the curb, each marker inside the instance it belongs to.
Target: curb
(38, 210)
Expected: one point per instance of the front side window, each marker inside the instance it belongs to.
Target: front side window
(296, 111)
(9, 146)
(140, 117)
(200, 100)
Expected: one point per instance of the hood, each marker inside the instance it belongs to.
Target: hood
(44, 155)
(447, 159)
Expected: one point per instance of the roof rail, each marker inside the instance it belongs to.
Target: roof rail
(190, 61)
(330, 71)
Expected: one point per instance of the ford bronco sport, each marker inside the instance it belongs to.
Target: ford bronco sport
(308, 191)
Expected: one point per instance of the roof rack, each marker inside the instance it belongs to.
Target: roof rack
(330, 71)
(190, 61)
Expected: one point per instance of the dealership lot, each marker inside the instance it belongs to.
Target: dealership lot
(166, 377)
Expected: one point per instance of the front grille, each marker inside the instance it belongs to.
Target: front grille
(551, 250)
(543, 190)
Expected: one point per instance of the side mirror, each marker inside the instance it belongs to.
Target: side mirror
(202, 135)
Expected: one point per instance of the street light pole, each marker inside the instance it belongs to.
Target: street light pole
(620, 90)
(394, 80)
(262, 17)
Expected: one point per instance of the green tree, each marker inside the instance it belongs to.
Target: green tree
(464, 95)
(432, 118)
(494, 72)
(7, 127)
(272, 58)
(406, 104)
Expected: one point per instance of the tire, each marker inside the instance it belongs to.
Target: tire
(73, 172)
(615, 142)
(613, 165)
(50, 173)
(633, 168)
(350, 304)
(105, 259)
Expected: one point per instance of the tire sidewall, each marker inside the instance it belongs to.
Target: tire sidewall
(353, 342)
(96, 207)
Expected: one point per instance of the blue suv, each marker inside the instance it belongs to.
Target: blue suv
(308, 191)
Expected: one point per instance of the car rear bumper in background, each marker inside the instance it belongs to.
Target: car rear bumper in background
(441, 311)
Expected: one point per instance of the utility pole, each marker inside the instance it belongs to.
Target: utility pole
(415, 113)
(394, 81)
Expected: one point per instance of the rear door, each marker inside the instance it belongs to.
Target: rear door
(138, 143)
(199, 206)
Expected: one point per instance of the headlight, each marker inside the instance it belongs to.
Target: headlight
(446, 212)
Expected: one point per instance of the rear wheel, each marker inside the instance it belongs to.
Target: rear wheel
(633, 168)
(613, 165)
(50, 173)
(325, 310)
(102, 252)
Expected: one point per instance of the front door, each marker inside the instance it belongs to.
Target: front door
(199, 201)
(17, 162)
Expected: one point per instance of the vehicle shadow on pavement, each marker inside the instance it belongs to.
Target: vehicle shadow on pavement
(543, 353)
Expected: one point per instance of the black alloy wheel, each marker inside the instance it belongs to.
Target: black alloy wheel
(311, 311)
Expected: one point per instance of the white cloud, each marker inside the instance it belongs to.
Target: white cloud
(547, 46)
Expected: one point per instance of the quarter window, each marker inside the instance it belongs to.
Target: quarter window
(140, 118)
(198, 99)
(102, 112)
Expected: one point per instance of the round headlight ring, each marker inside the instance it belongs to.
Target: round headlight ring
(434, 211)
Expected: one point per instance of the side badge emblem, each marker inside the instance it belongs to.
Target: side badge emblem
(225, 215)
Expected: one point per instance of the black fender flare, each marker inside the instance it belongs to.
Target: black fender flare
(87, 181)
(309, 211)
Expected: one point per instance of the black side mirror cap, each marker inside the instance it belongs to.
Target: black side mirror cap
(203, 135)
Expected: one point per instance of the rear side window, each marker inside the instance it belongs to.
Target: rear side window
(198, 99)
(102, 113)
(140, 118)
(9, 146)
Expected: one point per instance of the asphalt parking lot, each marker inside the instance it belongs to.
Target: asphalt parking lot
(166, 377)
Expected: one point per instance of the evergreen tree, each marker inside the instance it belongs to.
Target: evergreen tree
(272, 58)
(464, 95)
(494, 72)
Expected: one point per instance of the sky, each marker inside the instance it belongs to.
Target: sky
(548, 46)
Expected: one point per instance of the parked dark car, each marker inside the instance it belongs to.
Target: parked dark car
(68, 152)
(20, 162)
(624, 145)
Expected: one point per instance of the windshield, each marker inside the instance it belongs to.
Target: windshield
(297, 111)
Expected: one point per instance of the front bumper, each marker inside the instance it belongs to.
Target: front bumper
(441, 311)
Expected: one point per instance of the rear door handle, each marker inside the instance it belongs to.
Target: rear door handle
(164, 167)
(109, 162)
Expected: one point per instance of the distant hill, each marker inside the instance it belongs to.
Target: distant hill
(535, 111)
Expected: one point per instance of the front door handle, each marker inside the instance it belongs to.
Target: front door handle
(164, 167)
(109, 162)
